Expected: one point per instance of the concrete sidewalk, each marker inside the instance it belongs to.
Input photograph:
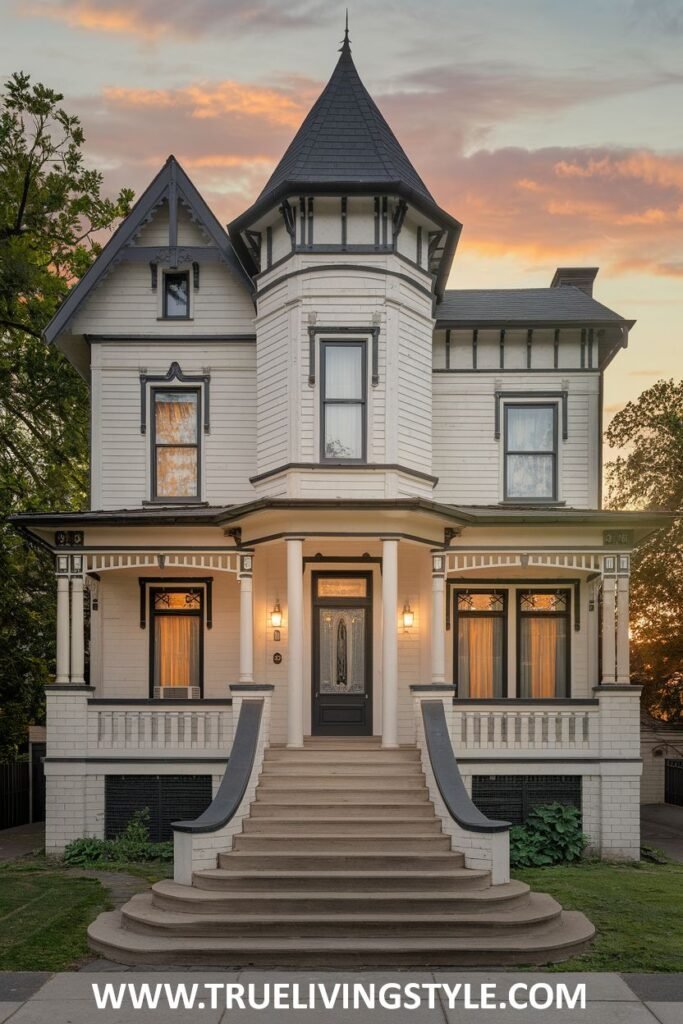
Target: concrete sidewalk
(36, 998)
(661, 825)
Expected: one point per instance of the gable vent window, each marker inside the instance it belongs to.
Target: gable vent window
(530, 452)
(175, 448)
(344, 371)
(176, 296)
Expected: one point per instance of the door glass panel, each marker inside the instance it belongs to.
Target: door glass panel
(342, 650)
(336, 587)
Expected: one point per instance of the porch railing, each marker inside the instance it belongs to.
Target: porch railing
(533, 730)
(169, 730)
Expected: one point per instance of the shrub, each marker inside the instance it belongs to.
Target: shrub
(133, 846)
(552, 835)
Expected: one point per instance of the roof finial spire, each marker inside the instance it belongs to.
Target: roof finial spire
(346, 45)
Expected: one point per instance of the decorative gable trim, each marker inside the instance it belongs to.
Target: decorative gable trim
(174, 373)
(171, 185)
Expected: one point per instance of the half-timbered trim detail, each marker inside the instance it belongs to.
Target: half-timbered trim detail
(173, 373)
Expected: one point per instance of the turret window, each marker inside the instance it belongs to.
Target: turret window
(343, 375)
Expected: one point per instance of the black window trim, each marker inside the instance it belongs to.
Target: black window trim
(165, 315)
(567, 614)
(531, 499)
(361, 343)
(177, 499)
(153, 612)
(483, 589)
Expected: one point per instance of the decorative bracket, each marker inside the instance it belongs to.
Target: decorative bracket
(174, 373)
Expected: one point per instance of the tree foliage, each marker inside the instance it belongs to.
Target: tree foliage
(52, 217)
(649, 475)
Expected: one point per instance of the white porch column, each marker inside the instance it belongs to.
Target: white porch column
(62, 629)
(295, 642)
(438, 616)
(77, 630)
(389, 642)
(246, 619)
(608, 629)
(623, 653)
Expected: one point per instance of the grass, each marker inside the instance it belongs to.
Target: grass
(44, 913)
(637, 910)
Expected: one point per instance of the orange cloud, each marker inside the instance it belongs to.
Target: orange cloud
(217, 99)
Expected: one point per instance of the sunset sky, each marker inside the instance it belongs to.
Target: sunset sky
(552, 130)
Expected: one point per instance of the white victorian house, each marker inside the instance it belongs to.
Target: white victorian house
(345, 569)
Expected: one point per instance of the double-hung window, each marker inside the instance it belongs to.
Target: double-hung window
(543, 643)
(175, 444)
(530, 470)
(344, 403)
(480, 642)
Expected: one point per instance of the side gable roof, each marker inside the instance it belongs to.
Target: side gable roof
(567, 304)
(171, 180)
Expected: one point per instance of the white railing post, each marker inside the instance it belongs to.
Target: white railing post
(389, 642)
(245, 578)
(295, 642)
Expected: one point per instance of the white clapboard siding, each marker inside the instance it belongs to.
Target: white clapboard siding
(467, 457)
(123, 655)
(121, 452)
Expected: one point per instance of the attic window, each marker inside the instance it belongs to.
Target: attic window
(176, 296)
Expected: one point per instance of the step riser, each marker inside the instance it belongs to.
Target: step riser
(342, 844)
(340, 862)
(311, 883)
(325, 758)
(327, 797)
(291, 783)
(352, 829)
(317, 771)
(260, 904)
(294, 812)
(360, 929)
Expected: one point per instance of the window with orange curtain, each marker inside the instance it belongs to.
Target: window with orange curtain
(177, 625)
(176, 444)
(543, 650)
(480, 639)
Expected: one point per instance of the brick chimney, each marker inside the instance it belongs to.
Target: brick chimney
(579, 277)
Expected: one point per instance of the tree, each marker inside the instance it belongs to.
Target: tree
(52, 217)
(649, 475)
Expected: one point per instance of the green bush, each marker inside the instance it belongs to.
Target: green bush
(552, 835)
(133, 846)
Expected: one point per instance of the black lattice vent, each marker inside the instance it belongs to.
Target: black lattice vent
(168, 797)
(512, 797)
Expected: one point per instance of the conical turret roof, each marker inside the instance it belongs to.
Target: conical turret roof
(345, 139)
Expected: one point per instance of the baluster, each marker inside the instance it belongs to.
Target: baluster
(134, 729)
(187, 730)
(566, 725)
(525, 719)
(173, 740)
(469, 730)
(497, 729)
(146, 723)
(119, 729)
(201, 729)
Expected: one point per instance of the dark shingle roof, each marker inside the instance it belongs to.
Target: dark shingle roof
(526, 305)
(345, 138)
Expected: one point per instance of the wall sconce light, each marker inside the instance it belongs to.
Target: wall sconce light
(408, 616)
(276, 616)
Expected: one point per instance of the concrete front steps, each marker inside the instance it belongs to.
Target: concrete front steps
(341, 863)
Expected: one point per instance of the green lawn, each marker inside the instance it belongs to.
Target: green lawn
(637, 910)
(44, 914)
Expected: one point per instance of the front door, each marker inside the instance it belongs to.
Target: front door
(342, 654)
